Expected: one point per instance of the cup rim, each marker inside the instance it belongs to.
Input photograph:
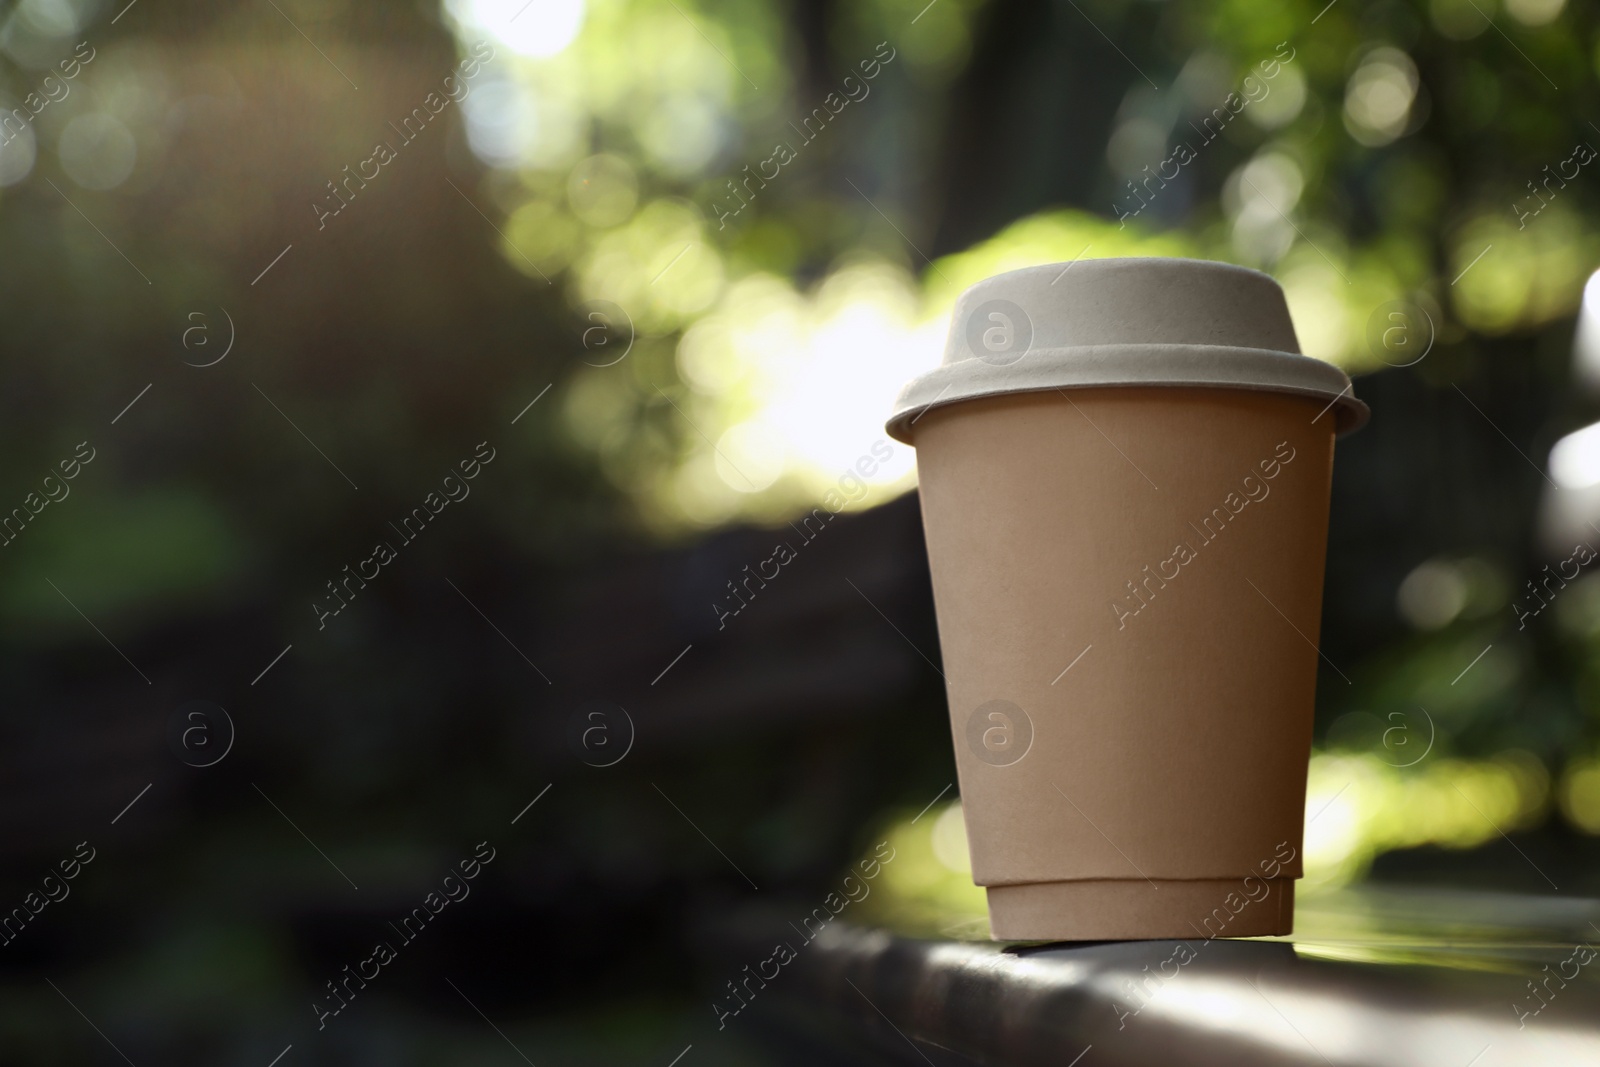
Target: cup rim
(1133, 366)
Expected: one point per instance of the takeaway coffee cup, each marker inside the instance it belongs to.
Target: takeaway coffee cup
(1125, 470)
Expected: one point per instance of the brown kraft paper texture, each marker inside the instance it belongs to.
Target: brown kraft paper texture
(1128, 584)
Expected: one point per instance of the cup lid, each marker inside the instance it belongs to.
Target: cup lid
(1124, 322)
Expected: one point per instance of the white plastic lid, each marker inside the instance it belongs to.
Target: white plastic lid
(1124, 322)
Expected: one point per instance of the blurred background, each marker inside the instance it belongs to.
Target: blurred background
(576, 308)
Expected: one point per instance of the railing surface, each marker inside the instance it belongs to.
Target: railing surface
(1375, 978)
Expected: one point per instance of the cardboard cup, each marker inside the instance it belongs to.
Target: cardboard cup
(1128, 582)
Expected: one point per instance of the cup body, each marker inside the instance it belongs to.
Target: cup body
(1128, 582)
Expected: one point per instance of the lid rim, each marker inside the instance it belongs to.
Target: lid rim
(1163, 366)
(1351, 413)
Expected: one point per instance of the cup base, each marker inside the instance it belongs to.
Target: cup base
(1138, 909)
